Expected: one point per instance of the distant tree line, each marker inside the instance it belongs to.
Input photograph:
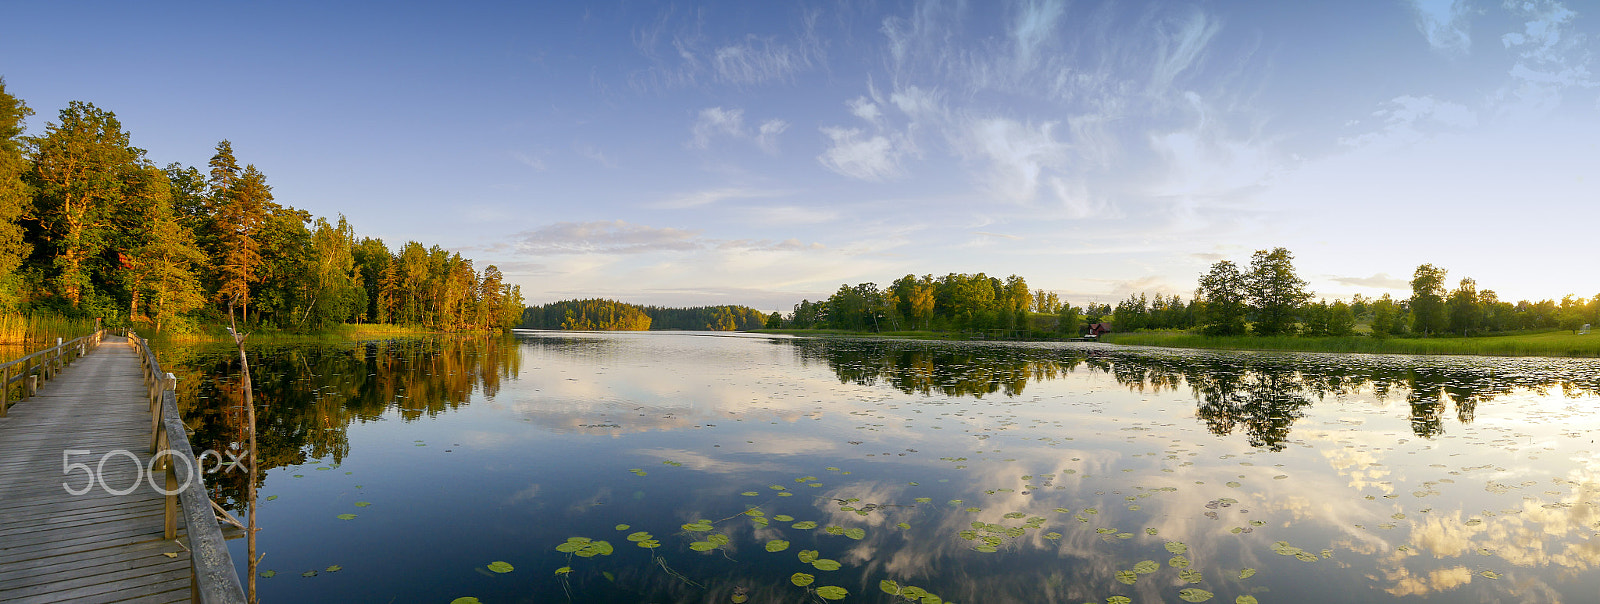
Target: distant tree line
(954, 302)
(89, 227)
(611, 315)
(1270, 299)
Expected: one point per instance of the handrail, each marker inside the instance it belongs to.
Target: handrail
(212, 577)
(42, 365)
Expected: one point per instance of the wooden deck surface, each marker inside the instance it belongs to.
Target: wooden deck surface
(94, 547)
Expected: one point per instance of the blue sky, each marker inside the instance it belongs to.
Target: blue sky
(759, 153)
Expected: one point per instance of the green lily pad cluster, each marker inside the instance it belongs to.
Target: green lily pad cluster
(585, 547)
(911, 593)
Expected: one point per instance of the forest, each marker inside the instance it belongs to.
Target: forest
(1266, 298)
(91, 228)
(611, 315)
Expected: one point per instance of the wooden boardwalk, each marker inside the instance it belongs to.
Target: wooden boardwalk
(94, 547)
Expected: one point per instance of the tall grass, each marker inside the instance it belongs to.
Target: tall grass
(36, 329)
(1551, 343)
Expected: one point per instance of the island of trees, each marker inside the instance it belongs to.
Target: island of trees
(611, 315)
(91, 228)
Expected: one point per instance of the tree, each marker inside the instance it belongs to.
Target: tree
(1274, 291)
(77, 173)
(1388, 318)
(1341, 319)
(336, 293)
(1223, 294)
(16, 196)
(1427, 300)
(165, 267)
(239, 204)
(1465, 309)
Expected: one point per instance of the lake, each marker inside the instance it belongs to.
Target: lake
(701, 467)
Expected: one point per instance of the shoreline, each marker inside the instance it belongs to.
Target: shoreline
(1546, 343)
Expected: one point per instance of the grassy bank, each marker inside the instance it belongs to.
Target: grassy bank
(910, 334)
(1550, 343)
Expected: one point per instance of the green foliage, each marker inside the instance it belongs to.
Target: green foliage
(114, 237)
(1274, 291)
(1222, 292)
(1427, 300)
(587, 315)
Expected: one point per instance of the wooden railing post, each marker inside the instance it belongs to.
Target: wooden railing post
(5, 390)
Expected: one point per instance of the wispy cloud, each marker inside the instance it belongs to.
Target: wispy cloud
(758, 60)
(681, 54)
(1015, 154)
(856, 154)
(707, 197)
(1407, 119)
(605, 237)
(531, 161)
(594, 153)
(1551, 58)
(714, 122)
(1446, 24)
(1378, 281)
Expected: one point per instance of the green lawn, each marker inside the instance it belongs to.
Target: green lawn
(1549, 343)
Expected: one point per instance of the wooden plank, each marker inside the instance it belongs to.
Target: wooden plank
(97, 547)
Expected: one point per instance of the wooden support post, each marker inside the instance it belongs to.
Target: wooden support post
(171, 521)
(5, 390)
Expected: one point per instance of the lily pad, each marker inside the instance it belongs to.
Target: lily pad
(500, 567)
(1245, 600)
(1190, 575)
(830, 592)
(826, 564)
(1489, 574)
(362, 504)
(1146, 567)
(1177, 547)
(346, 516)
(783, 518)
(1247, 573)
(702, 546)
(805, 525)
(855, 533)
(1178, 561)
(801, 579)
(466, 600)
(333, 568)
(1117, 599)
(1194, 594)
(808, 556)
(1127, 576)
(777, 545)
(889, 587)
(636, 536)
(268, 574)
(560, 571)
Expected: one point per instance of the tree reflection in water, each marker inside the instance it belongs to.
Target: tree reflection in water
(1258, 394)
(308, 394)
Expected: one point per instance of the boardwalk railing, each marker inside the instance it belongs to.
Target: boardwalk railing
(37, 368)
(212, 576)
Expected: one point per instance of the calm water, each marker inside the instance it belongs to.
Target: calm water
(976, 472)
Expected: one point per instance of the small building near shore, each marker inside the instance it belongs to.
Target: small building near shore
(1096, 329)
